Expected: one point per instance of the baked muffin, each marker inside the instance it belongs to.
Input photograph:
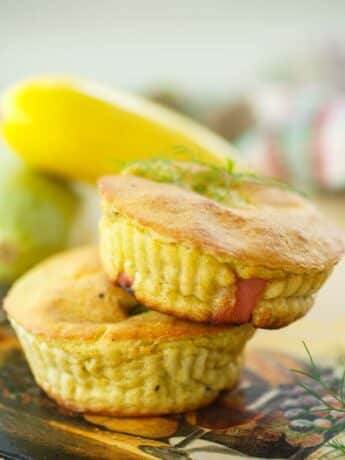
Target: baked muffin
(215, 247)
(93, 349)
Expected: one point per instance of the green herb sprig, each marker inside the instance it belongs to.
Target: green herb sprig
(338, 394)
(338, 447)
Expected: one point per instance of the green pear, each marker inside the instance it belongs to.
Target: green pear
(37, 214)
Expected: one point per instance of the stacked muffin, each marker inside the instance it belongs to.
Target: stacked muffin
(193, 259)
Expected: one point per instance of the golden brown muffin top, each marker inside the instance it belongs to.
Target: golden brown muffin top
(260, 225)
(69, 297)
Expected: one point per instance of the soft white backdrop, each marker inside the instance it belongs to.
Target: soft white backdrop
(203, 45)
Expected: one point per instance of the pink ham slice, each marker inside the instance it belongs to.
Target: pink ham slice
(124, 281)
(248, 294)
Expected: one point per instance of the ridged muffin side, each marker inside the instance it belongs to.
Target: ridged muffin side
(190, 283)
(169, 377)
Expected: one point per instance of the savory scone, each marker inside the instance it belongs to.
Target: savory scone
(93, 349)
(216, 247)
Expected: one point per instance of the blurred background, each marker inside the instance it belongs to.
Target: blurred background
(212, 48)
(267, 75)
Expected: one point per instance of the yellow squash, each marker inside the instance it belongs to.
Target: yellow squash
(81, 130)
